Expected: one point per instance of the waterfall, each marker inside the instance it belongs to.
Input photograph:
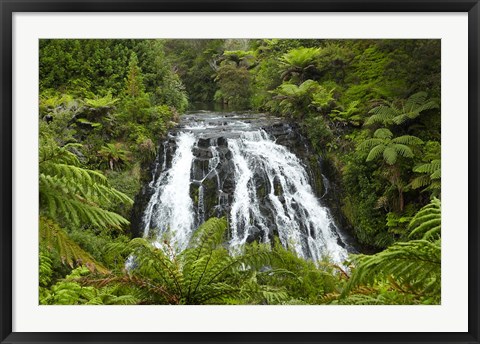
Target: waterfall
(228, 166)
(170, 209)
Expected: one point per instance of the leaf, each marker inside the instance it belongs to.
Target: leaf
(390, 155)
(383, 133)
(376, 152)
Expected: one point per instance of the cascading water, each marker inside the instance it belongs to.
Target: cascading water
(230, 166)
(171, 208)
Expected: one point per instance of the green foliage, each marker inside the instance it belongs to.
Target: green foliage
(45, 269)
(296, 101)
(204, 273)
(118, 97)
(83, 66)
(411, 267)
(397, 224)
(347, 115)
(74, 194)
(426, 224)
(107, 102)
(114, 155)
(305, 281)
(194, 61)
(334, 59)
(319, 133)
(410, 271)
(393, 113)
(298, 64)
(54, 238)
(70, 292)
(134, 84)
(429, 178)
(383, 144)
(240, 57)
(234, 84)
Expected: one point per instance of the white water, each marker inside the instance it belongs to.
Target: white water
(170, 209)
(302, 223)
(295, 213)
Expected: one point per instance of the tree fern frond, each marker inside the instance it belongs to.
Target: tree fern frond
(437, 174)
(403, 150)
(383, 133)
(72, 172)
(407, 140)
(426, 223)
(55, 238)
(408, 109)
(390, 155)
(420, 182)
(78, 211)
(369, 143)
(376, 152)
(45, 269)
(381, 115)
(428, 167)
(415, 265)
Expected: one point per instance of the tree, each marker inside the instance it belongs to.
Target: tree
(298, 64)
(114, 155)
(383, 144)
(389, 148)
(134, 83)
(234, 84)
(240, 57)
(296, 101)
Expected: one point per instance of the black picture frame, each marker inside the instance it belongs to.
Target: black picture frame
(8, 7)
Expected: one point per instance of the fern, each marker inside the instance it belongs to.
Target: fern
(430, 177)
(298, 61)
(45, 269)
(70, 291)
(409, 272)
(426, 224)
(105, 102)
(54, 238)
(384, 144)
(204, 273)
(393, 113)
(77, 195)
(413, 265)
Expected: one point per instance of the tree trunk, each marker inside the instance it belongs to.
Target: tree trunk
(400, 199)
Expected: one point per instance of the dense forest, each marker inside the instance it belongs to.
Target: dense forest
(369, 108)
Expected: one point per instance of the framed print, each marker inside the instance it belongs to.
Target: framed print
(267, 171)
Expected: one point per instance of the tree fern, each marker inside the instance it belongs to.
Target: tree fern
(400, 112)
(426, 224)
(411, 268)
(74, 194)
(415, 266)
(384, 144)
(297, 62)
(429, 178)
(54, 238)
(204, 273)
(290, 99)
